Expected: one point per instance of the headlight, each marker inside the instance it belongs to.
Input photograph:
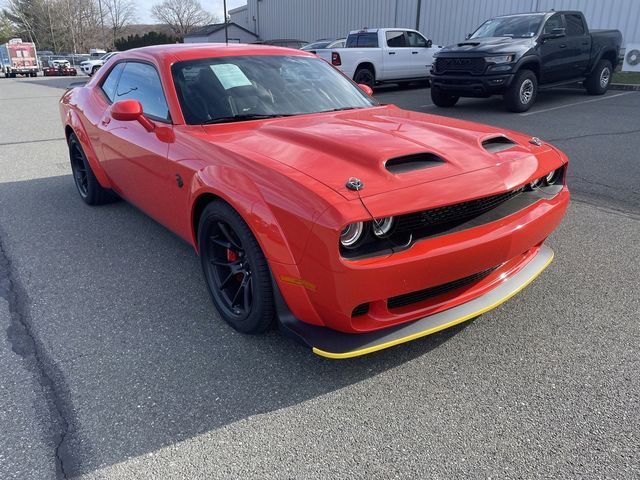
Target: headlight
(552, 177)
(500, 59)
(382, 228)
(351, 234)
(535, 184)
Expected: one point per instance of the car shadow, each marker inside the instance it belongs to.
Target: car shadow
(141, 359)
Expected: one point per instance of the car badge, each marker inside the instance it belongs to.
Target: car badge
(535, 141)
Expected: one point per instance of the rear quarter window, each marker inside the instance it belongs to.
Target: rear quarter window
(575, 25)
(111, 82)
(363, 40)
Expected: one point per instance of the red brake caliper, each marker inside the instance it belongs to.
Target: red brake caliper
(231, 255)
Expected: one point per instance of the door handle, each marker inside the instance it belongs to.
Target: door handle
(392, 53)
(563, 45)
(414, 53)
(585, 43)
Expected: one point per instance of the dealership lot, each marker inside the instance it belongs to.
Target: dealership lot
(115, 366)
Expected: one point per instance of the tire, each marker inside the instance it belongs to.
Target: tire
(442, 99)
(88, 186)
(365, 76)
(599, 80)
(94, 70)
(522, 93)
(235, 269)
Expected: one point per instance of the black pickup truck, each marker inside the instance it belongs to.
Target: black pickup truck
(516, 55)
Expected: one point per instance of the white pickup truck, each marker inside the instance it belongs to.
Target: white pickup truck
(383, 55)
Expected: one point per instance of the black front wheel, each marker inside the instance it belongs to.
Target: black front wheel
(365, 76)
(522, 93)
(442, 99)
(235, 269)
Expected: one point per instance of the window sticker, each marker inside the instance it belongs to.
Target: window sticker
(230, 75)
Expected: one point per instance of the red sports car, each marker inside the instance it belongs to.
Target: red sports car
(356, 225)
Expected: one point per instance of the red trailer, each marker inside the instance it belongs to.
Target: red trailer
(19, 58)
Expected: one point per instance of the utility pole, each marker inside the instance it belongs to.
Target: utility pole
(226, 31)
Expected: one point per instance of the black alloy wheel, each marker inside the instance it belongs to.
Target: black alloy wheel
(79, 169)
(235, 269)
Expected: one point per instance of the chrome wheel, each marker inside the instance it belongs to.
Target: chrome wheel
(605, 77)
(526, 91)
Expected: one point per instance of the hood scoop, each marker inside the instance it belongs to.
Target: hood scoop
(469, 44)
(409, 163)
(497, 144)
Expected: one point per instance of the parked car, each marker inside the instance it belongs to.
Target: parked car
(358, 226)
(58, 66)
(517, 55)
(283, 42)
(325, 43)
(382, 55)
(91, 66)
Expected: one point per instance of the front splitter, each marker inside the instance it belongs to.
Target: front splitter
(338, 345)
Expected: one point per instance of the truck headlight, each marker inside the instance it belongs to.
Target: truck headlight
(500, 59)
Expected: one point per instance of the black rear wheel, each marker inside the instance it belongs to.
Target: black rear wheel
(599, 80)
(88, 186)
(235, 269)
(365, 76)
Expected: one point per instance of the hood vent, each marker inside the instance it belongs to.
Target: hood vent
(409, 163)
(497, 144)
(469, 44)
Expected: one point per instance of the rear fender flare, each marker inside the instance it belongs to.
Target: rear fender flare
(73, 124)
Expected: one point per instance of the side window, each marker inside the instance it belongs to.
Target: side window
(554, 22)
(109, 85)
(575, 26)
(395, 39)
(416, 40)
(140, 81)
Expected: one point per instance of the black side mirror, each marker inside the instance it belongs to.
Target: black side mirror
(429, 43)
(555, 33)
(468, 36)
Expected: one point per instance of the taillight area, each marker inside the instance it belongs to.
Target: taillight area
(335, 59)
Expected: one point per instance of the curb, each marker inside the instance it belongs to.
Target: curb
(624, 86)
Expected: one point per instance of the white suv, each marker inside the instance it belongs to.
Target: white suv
(91, 66)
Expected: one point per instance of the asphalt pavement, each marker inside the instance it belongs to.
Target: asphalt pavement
(114, 364)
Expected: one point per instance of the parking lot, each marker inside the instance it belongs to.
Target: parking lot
(115, 365)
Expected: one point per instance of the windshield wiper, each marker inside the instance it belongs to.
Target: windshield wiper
(242, 118)
(343, 108)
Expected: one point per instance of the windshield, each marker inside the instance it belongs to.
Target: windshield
(521, 26)
(317, 45)
(217, 90)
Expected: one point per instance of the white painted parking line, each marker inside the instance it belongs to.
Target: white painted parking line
(573, 104)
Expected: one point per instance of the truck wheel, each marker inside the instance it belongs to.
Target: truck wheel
(366, 76)
(88, 186)
(522, 93)
(442, 99)
(94, 70)
(599, 80)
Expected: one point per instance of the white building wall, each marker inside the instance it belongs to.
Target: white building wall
(445, 21)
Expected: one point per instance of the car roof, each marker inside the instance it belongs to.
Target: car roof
(194, 51)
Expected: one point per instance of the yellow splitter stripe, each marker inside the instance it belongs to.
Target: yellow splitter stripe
(446, 324)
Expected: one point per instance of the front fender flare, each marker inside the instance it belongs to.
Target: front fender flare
(73, 121)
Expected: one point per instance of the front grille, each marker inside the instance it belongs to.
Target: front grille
(460, 65)
(421, 295)
(451, 214)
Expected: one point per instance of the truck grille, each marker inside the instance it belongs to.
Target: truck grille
(421, 295)
(460, 65)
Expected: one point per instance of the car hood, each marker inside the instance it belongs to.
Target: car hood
(491, 45)
(333, 147)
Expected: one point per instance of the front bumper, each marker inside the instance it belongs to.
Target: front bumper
(337, 345)
(472, 86)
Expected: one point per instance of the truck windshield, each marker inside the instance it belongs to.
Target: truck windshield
(520, 26)
(231, 89)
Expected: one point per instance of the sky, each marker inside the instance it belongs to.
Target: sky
(143, 8)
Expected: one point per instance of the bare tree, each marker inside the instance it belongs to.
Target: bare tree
(119, 13)
(182, 16)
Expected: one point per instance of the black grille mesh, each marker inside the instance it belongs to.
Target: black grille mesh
(453, 213)
(420, 295)
(457, 65)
